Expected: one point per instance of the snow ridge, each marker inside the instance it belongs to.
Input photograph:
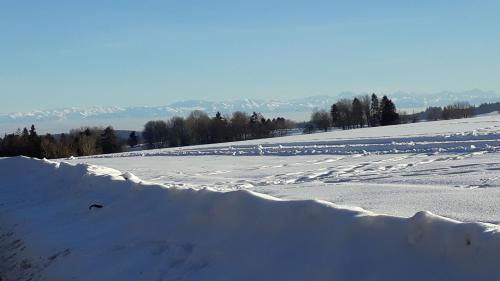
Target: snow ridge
(152, 232)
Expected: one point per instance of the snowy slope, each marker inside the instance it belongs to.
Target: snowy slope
(450, 168)
(152, 232)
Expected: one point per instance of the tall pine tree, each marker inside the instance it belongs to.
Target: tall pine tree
(388, 114)
(34, 142)
(334, 113)
(357, 113)
(132, 139)
(374, 111)
(109, 141)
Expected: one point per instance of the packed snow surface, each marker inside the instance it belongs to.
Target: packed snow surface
(451, 168)
(212, 212)
(51, 231)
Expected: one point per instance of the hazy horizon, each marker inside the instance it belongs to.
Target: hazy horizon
(181, 100)
(57, 120)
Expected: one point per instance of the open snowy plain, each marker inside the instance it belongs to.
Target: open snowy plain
(229, 211)
(451, 168)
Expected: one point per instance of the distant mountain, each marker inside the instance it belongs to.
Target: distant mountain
(181, 108)
(271, 107)
(414, 100)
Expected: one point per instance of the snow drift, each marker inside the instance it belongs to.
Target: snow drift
(151, 232)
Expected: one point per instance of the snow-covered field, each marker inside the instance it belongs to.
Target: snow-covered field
(167, 214)
(451, 168)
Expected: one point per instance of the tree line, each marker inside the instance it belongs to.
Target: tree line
(456, 110)
(199, 128)
(79, 142)
(459, 110)
(486, 108)
(356, 113)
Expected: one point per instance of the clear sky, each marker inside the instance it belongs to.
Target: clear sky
(81, 53)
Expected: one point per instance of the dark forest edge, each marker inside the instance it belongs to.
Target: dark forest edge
(199, 128)
(369, 111)
(356, 113)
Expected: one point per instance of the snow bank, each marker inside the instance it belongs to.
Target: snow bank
(151, 232)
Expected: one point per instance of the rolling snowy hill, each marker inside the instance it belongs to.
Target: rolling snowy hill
(271, 209)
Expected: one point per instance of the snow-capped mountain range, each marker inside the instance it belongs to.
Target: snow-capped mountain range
(402, 99)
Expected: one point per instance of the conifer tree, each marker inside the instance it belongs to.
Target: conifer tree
(357, 113)
(334, 113)
(109, 142)
(218, 115)
(374, 111)
(132, 139)
(34, 149)
(388, 115)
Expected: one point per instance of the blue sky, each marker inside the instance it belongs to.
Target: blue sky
(82, 53)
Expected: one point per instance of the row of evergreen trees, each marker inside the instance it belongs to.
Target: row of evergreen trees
(456, 110)
(356, 113)
(199, 128)
(486, 108)
(82, 142)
